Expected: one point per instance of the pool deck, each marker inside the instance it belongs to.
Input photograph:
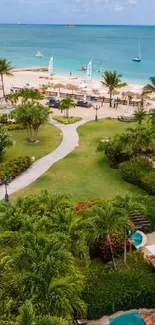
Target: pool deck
(148, 316)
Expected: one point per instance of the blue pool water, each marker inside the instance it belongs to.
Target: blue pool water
(137, 239)
(132, 318)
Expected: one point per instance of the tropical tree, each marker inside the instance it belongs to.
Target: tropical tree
(152, 116)
(150, 88)
(31, 115)
(108, 218)
(139, 115)
(29, 93)
(128, 205)
(5, 70)
(66, 104)
(5, 140)
(112, 80)
(13, 98)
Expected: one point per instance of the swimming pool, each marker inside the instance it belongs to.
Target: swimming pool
(132, 318)
(137, 237)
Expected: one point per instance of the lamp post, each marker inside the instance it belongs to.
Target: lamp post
(96, 109)
(5, 182)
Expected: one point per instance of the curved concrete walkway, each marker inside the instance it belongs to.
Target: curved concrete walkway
(68, 144)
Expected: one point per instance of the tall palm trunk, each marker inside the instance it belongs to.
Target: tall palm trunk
(110, 104)
(2, 80)
(112, 252)
(67, 112)
(125, 245)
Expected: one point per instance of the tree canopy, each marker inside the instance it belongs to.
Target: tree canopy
(112, 80)
(31, 115)
(5, 70)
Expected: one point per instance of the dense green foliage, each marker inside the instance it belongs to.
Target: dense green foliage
(46, 274)
(127, 145)
(110, 291)
(14, 167)
(5, 140)
(65, 120)
(139, 171)
(14, 126)
(31, 115)
(133, 170)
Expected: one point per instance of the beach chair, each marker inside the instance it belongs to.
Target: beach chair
(78, 322)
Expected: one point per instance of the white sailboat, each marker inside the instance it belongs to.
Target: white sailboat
(51, 66)
(89, 70)
(139, 57)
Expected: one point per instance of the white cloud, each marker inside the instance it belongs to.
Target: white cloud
(119, 8)
(132, 2)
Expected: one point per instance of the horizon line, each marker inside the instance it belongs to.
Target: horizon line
(78, 24)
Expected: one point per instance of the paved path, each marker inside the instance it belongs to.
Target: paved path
(69, 142)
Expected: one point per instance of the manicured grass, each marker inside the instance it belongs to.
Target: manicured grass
(49, 139)
(85, 173)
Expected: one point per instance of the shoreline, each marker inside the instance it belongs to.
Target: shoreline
(41, 69)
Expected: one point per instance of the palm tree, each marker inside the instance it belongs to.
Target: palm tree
(108, 219)
(31, 115)
(152, 116)
(5, 69)
(139, 115)
(112, 80)
(150, 88)
(128, 206)
(66, 104)
(31, 94)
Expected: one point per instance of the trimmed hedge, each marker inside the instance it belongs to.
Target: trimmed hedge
(65, 120)
(14, 167)
(139, 171)
(133, 170)
(109, 291)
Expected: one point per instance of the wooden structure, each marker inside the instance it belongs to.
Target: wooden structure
(139, 221)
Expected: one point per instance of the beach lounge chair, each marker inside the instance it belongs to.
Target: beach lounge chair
(78, 322)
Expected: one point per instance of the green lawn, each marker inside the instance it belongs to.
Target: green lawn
(49, 139)
(85, 173)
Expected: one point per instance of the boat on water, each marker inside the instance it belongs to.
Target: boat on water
(69, 26)
(82, 69)
(51, 66)
(139, 57)
(39, 54)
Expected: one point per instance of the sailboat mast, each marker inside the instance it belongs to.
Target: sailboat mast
(140, 55)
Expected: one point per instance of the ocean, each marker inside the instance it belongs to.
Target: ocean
(111, 47)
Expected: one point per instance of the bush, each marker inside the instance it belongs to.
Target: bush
(133, 170)
(64, 120)
(12, 127)
(3, 118)
(14, 167)
(109, 291)
(148, 182)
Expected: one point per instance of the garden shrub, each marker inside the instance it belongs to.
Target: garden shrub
(14, 167)
(133, 170)
(3, 118)
(117, 243)
(108, 291)
(148, 182)
(64, 120)
(15, 126)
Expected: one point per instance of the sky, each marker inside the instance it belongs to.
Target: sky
(121, 12)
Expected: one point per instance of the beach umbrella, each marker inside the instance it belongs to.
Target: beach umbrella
(115, 92)
(129, 93)
(142, 96)
(59, 86)
(71, 87)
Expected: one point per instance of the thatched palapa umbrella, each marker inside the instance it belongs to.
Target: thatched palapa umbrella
(71, 87)
(59, 86)
(129, 93)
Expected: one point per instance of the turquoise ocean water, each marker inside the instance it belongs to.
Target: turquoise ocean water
(115, 46)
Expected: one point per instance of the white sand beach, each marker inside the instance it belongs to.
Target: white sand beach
(21, 77)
